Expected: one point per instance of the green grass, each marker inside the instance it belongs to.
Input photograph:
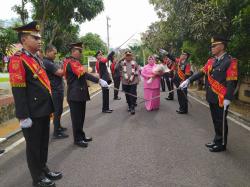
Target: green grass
(4, 79)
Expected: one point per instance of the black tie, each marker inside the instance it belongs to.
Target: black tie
(216, 63)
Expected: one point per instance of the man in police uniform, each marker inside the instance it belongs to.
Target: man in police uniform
(182, 73)
(116, 74)
(169, 61)
(33, 103)
(104, 74)
(55, 74)
(221, 73)
(77, 93)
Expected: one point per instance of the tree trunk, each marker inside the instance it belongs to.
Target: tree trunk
(54, 32)
(43, 17)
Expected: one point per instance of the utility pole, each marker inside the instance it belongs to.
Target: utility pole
(108, 26)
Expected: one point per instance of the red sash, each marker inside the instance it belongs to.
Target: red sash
(217, 87)
(103, 60)
(17, 72)
(180, 73)
(37, 70)
(112, 67)
(76, 66)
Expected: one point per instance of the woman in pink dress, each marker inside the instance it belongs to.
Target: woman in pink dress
(152, 87)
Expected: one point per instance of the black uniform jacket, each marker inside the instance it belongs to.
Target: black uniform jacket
(32, 98)
(220, 73)
(104, 74)
(185, 68)
(77, 86)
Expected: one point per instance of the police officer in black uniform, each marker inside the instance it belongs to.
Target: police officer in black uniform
(182, 73)
(77, 93)
(55, 74)
(104, 74)
(33, 103)
(170, 63)
(116, 74)
(221, 73)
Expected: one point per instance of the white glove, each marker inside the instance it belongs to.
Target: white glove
(103, 83)
(226, 103)
(25, 123)
(184, 84)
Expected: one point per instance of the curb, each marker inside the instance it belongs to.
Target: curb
(233, 114)
(2, 140)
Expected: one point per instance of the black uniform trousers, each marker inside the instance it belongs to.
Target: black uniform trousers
(105, 99)
(131, 100)
(163, 87)
(37, 141)
(117, 82)
(170, 85)
(77, 113)
(217, 117)
(182, 99)
(57, 98)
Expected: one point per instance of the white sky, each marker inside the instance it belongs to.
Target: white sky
(127, 17)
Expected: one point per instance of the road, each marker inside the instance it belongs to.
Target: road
(156, 149)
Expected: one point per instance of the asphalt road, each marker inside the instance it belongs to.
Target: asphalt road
(158, 149)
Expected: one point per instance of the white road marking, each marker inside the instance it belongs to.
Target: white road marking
(12, 146)
(228, 117)
(2, 139)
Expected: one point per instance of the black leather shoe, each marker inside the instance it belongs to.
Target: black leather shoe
(117, 98)
(210, 145)
(2, 151)
(60, 135)
(45, 182)
(81, 143)
(217, 148)
(107, 111)
(53, 175)
(62, 128)
(88, 139)
(181, 112)
(132, 111)
(169, 98)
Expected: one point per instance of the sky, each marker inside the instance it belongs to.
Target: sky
(127, 17)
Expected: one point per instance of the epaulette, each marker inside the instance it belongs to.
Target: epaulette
(18, 53)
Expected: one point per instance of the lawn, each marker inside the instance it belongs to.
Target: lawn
(4, 77)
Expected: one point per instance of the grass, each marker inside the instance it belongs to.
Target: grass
(4, 79)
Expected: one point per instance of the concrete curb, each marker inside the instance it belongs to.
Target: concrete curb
(2, 140)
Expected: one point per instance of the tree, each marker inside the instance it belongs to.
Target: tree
(22, 11)
(55, 16)
(190, 24)
(61, 12)
(93, 42)
(7, 37)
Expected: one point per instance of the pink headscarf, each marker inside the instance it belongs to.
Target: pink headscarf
(147, 70)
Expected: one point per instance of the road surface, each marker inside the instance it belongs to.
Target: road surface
(150, 149)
